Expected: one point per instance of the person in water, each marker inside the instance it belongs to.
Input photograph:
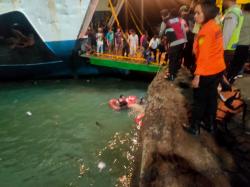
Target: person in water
(122, 101)
(142, 101)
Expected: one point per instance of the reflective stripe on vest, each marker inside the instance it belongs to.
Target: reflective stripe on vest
(232, 44)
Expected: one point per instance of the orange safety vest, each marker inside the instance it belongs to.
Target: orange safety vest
(208, 49)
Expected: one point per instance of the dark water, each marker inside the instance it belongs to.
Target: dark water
(54, 133)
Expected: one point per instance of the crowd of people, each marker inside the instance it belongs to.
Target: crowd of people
(214, 46)
(118, 43)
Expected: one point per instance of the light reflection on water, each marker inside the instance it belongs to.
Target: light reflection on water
(68, 131)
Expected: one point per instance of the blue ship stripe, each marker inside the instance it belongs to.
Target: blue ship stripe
(61, 48)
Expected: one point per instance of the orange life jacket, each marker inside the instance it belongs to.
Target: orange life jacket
(208, 49)
(229, 104)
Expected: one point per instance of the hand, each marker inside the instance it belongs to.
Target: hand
(196, 81)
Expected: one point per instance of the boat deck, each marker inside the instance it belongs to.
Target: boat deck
(121, 62)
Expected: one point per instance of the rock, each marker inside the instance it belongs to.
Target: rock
(172, 157)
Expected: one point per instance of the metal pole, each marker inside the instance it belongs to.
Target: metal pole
(142, 15)
(126, 14)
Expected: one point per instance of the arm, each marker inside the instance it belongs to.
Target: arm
(196, 81)
(230, 24)
(150, 43)
(162, 29)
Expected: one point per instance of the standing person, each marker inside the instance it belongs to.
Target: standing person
(232, 23)
(133, 43)
(189, 58)
(92, 39)
(125, 48)
(118, 41)
(209, 67)
(85, 42)
(183, 14)
(241, 52)
(164, 16)
(99, 40)
(153, 45)
(144, 42)
(175, 32)
(110, 39)
(162, 47)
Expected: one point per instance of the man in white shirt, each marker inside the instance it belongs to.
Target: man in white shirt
(153, 45)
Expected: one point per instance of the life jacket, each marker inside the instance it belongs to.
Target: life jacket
(232, 44)
(230, 103)
(174, 30)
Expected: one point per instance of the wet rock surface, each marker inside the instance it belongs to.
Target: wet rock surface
(172, 157)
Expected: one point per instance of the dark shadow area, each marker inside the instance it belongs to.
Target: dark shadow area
(177, 168)
(19, 42)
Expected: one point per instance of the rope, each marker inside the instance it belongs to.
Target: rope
(145, 18)
(133, 19)
(114, 13)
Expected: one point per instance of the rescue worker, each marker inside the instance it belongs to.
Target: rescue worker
(232, 23)
(175, 33)
(242, 49)
(208, 49)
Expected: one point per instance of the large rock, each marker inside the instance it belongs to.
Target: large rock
(172, 157)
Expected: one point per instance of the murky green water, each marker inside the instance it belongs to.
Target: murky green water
(51, 131)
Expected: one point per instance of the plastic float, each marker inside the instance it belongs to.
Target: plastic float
(138, 119)
(132, 99)
(115, 105)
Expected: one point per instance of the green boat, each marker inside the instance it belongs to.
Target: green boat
(124, 63)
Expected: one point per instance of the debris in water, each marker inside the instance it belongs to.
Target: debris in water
(88, 81)
(98, 124)
(83, 170)
(127, 147)
(124, 180)
(29, 113)
(101, 166)
(134, 140)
